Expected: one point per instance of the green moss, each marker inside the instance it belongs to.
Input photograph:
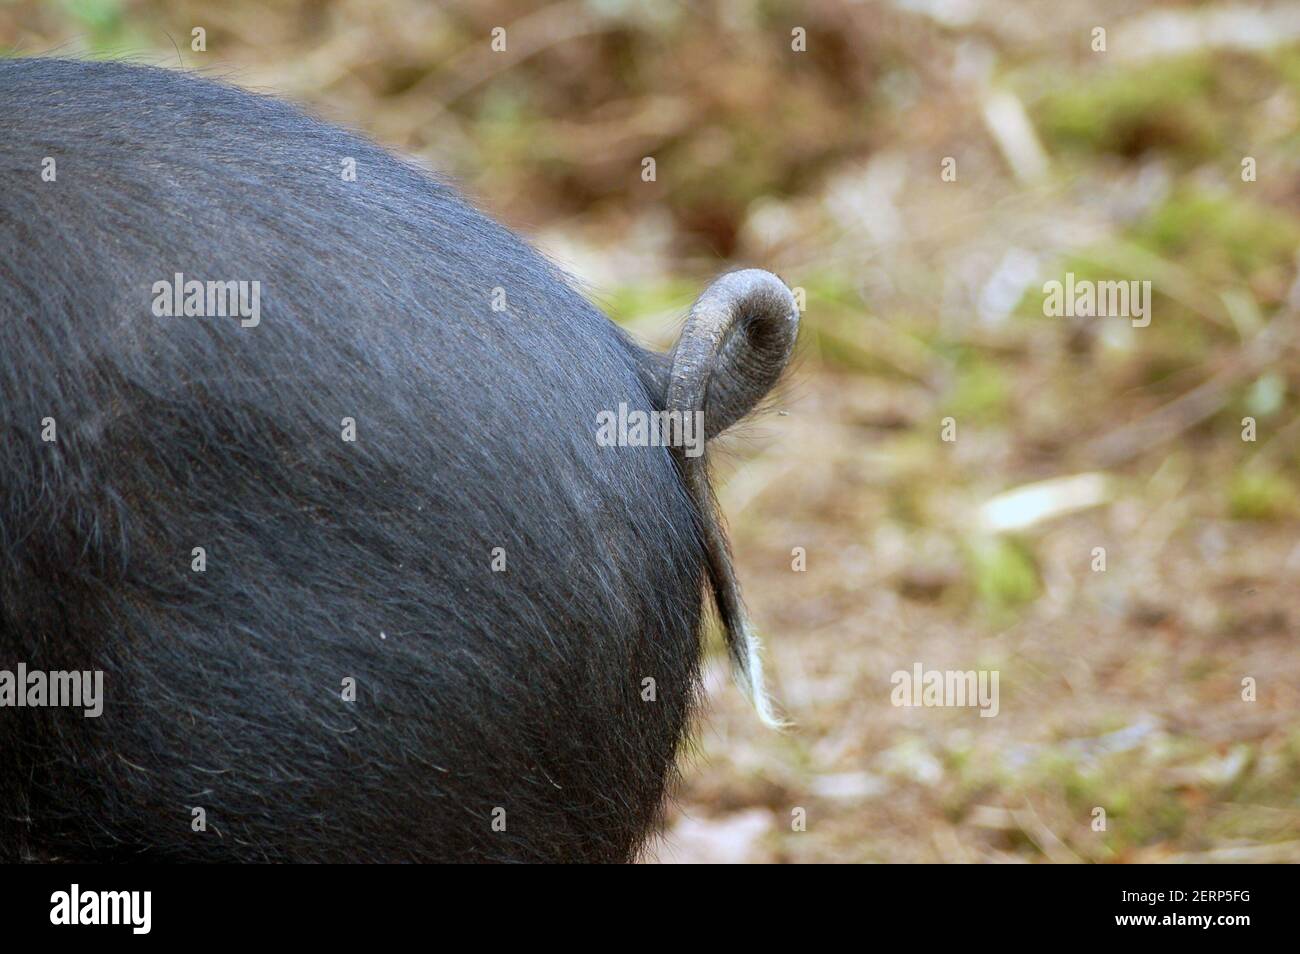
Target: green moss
(979, 391)
(1222, 237)
(1257, 494)
(1267, 395)
(831, 288)
(1132, 110)
(1140, 808)
(627, 302)
(105, 26)
(1286, 61)
(1004, 571)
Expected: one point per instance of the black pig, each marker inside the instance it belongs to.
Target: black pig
(386, 449)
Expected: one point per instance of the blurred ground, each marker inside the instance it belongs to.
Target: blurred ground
(1121, 689)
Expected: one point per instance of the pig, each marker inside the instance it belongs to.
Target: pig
(299, 452)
